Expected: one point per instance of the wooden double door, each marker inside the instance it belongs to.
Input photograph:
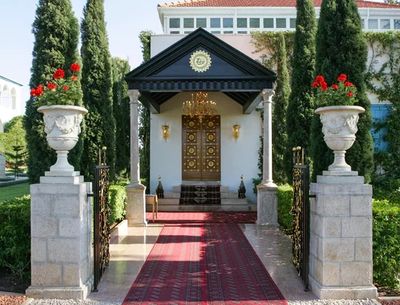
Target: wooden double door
(201, 151)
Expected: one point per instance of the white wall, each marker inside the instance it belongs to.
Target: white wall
(237, 157)
(11, 104)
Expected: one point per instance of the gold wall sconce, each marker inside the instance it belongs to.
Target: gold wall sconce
(236, 131)
(165, 131)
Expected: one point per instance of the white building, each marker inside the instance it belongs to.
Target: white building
(11, 103)
(171, 77)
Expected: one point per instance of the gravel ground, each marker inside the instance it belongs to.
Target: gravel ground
(11, 300)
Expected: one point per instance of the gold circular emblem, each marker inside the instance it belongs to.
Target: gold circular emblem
(210, 124)
(191, 137)
(200, 61)
(191, 150)
(191, 124)
(211, 163)
(210, 137)
(210, 150)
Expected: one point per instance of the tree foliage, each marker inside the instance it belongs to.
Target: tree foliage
(341, 48)
(120, 67)
(56, 33)
(97, 89)
(280, 100)
(144, 120)
(300, 108)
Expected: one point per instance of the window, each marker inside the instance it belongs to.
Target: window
(215, 22)
(228, 32)
(292, 23)
(227, 22)
(187, 32)
(174, 23)
(215, 32)
(385, 24)
(201, 22)
(372, 23)
(280, 23)
(242, 32)
(396, 24)
(188, 23)
(268, 23)
(362, 23)
(174, 32)
(254, 22)
(241, 23)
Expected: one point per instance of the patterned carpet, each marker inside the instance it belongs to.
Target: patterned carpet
(203, 263)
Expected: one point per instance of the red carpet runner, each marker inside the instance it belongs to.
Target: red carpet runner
(203, 263)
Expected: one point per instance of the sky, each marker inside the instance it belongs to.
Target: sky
(125, 20)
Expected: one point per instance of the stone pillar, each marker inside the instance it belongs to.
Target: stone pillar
(2, 166)
(61, 243)
(136, 202)
(267, 202)
(341, 237)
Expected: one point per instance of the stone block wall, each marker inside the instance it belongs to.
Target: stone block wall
(61, 245)
(341, 238)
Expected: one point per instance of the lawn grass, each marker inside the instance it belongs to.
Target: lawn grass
(12, 191)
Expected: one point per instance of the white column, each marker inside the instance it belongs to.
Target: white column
(136, 201)
(267, 203)
(134, 109)
(267, 95)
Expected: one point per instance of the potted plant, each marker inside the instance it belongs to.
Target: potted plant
(339, 117)
(60, 101)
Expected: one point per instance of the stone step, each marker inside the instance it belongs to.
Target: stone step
(170, 205)
(224, 195)
(177, 188)
(175, 201)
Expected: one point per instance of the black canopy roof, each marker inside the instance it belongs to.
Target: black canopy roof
(231, 72)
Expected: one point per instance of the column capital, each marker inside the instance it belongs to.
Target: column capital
(133, 95)
(267, 95)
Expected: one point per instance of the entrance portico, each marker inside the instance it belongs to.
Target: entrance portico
(238, 85)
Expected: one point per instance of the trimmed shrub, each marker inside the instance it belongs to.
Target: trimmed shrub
(117, 201)
(15, 243)
(386, 244)
(285, 200)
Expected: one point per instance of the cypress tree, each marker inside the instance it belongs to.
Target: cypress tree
(121, 67)
(280, 99)
(300, 108)
(341, 48)
(97, 89)
(56, 32)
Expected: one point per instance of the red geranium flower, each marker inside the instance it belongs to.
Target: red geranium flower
(348, 84)
(74, 77)
(59, 74)
(75, 67)
(51, 86)
(335, 87)
(342, 77)
(65, 88)
(350, 94)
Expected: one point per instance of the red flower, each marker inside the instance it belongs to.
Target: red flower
(51, 86)
(315, 84)
(33, 92)
(342, 77)
(350, 94)
(335, 87)
(39, 90)
(59, 74)
(74, 77)
(65, 88)
(319, 79)
(75, 67)
(324, 86)
(348, 84)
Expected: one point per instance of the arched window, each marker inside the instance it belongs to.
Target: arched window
(14, 99)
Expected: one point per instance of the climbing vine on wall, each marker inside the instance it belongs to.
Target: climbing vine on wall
(383, 80)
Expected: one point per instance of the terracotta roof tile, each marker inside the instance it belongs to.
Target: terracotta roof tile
(262, 3)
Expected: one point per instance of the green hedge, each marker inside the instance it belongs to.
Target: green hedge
(117, 201)
(386, 244)
(15, 243)
(285, 199)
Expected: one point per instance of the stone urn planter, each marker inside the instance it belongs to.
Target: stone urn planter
(339, 126)
(62, 125)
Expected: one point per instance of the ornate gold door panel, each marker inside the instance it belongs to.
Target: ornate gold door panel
(201, 156)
